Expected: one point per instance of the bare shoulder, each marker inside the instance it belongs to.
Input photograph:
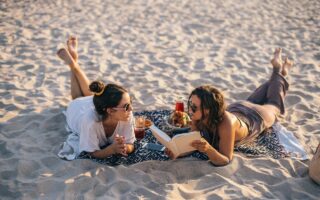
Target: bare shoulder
(227, 124)
(228, 119)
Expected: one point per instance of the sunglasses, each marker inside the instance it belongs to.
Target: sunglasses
(193, 107)
(126, 107)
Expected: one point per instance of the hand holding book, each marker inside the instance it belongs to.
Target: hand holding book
(201, 145)
(179, 144)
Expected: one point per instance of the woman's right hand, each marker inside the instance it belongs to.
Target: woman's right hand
(119, 146)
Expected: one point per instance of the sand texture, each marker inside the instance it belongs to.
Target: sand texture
(160, 50)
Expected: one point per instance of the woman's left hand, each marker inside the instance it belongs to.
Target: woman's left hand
(201, 145)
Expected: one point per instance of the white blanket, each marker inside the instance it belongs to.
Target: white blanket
(70, 148)
(290, 143)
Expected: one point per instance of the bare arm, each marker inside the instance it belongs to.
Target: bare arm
(226, 133)
(227, 137)
(103, 153)
(216, 157)
(117, 147)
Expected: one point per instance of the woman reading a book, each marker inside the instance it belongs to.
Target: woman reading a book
(99, 118)
(223, 126)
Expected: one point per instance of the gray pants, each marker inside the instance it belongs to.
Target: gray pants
(251, 111)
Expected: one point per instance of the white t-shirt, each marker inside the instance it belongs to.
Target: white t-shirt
(84, 120)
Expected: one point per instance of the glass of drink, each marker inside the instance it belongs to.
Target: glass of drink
(179, 106)
(139, 128)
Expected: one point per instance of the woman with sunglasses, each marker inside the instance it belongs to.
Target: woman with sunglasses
(224, 127)
(99, 118)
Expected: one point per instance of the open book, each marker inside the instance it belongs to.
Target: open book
(179, 144)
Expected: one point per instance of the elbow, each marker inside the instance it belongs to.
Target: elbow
(130, 148)
(130, 151)
(94, 154)
(222, 162)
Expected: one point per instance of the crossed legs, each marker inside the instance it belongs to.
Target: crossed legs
(270, 95)
(79, 80)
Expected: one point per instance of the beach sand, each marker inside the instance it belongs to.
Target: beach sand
(160, 51)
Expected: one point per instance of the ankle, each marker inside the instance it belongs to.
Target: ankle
(277, 70)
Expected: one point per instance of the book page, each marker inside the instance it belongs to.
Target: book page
(161, 136)
(164, 139)
(183, 141)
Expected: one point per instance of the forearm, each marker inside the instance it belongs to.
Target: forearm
(216, 157)
(103, 153)
(130, 148)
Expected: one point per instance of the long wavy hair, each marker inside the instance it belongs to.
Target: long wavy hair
(213, 101)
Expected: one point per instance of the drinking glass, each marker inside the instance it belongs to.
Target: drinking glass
(179, 106)
(139, 128)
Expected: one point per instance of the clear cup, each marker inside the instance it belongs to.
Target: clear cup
(139, 128)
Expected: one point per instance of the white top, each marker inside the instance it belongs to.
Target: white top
(84, 120)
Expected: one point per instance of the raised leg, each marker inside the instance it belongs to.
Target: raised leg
(72, 44)
(272, 93)
(79, 80)
(278, 85)
(260, 94)
(75, 87)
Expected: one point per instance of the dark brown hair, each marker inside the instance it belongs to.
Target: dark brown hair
(212, 100)
(106, 96)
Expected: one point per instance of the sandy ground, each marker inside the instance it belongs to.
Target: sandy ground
(160, 50)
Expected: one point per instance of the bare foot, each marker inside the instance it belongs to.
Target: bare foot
(64, 55)
(277, 60)
(286, 66)
(72, 44)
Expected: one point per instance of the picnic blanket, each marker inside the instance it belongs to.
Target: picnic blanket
(267, 144)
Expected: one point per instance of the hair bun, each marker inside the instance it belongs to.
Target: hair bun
(97, 87)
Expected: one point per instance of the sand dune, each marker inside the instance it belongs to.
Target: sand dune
(160, 50)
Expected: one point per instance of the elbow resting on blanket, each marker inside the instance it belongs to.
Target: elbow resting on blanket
(217, 158)
(130, 148)
(220, 163)
(113, 149)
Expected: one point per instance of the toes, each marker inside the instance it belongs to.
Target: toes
(73, 38)
(288, 62)
(72, 42)
(277, 52)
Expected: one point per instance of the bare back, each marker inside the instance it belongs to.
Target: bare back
(230, 130)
